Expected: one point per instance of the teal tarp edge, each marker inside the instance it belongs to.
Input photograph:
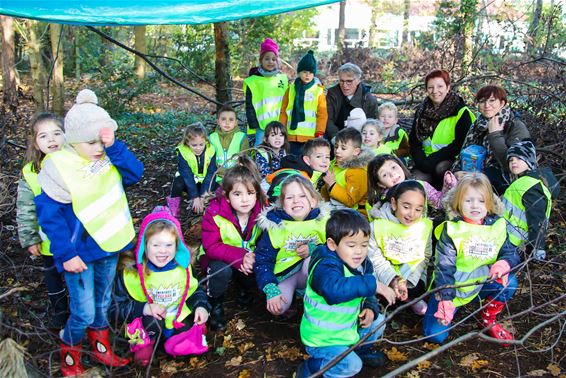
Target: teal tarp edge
(114, 13)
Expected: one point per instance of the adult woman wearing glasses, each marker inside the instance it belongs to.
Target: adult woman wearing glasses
(350, 93)
(439, 129)
(496, 129)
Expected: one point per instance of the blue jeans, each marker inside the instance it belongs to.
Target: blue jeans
(89, 292)
(258, 137)
(349, 365)
(494, 290)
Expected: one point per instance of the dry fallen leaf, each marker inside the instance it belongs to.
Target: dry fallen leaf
(430, 346)
(423, 365)
(236, 361)
(245, 374)
(469, 359)
(227, 343)
(240, 325)
(195, 362)
(536, 373)
(292, 354)
(171, 367)
(394, 355)
(478, 364)
(243, 348)
(553, 369)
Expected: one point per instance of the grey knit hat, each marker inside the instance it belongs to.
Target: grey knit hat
(524, 150)
(85, 119)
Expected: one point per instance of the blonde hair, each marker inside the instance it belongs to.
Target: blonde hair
(304, 183)
(479, 182)
(194, 130)
(33, 153)
(154, 228)
(376, 124)
(388, 106)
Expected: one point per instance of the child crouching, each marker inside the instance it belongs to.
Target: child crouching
(340, 302)
(159, 294)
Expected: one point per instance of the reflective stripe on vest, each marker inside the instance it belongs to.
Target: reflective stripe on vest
(329, 325)
(477, 248)
(31, 178)
(191, 160)
(306, 128)
(97, 197)
(444, 133)
(515, 211)
(289, 235)
(267, 97)
(223, 156)
(404, 247)
(165, 288)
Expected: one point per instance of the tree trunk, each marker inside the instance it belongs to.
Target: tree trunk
(533, 28)
(372, 35)
(38, 72)
(140, 45)
(406, 14)
(468, 9)
(223, 81)
(340, 44)
(57, 89)
(8, 63)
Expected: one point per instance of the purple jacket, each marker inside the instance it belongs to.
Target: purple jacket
(212, 243)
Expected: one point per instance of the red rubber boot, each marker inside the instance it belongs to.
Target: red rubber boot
(71, 365)
(488, 316)
(100, 344)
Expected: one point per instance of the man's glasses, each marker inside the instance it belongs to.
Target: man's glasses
(350, 81)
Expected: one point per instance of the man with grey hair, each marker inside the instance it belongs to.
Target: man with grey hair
(349, 94)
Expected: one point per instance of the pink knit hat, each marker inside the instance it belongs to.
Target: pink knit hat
(268, 45)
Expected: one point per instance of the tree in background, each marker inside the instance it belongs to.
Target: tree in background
(223, 80)
(57, 79)
(141, 46)
(8, 63)
(340, 43)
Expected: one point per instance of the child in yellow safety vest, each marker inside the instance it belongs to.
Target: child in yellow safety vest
(274, 147)
(303, 110)
(46, 136)
(227, 140)
(157, 293)
(527, 200)
(196, 166)
(229, 236)
(373, 135)
(84, 211)
(474, 257)
(291, 231)
(264, 89)
(401, 243)
(340, 302)
(395, 137)
(347, 179)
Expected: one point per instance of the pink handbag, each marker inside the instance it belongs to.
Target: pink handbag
(192, 341)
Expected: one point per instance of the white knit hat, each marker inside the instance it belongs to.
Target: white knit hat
(356, 119)
(85, 119)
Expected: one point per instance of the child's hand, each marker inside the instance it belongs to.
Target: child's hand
(198, 205)
(107, 137)
(366, 317)
(303, 251)
(400, 287)
(386, 292)
(500, 271)
(329, 178)
(449, 180)
(35, 250)
(247, 266)
(275, 304)
(74, 265)
(156, 310)
(201, 315)
(445, 312)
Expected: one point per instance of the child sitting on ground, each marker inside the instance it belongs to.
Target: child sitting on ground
(340, 302)
(158, 293)
(527, 200)
(291, 231)
(303, 110)
(373, 135)
(196, 166)
(347, 177)
(395, 137)
(227, 140)
(401, 243)
(274, 147)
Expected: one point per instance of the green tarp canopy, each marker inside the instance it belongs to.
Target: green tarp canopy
(143, 12)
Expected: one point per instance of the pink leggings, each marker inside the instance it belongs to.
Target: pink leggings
(290, 284)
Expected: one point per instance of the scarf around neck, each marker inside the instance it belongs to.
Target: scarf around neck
(298, 114)
(267, 73)
(428, 116)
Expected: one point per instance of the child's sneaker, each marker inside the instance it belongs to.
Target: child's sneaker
(420, 307)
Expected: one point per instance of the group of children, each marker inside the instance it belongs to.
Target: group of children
(345, 234)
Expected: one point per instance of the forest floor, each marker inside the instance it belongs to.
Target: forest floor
(255, 343)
